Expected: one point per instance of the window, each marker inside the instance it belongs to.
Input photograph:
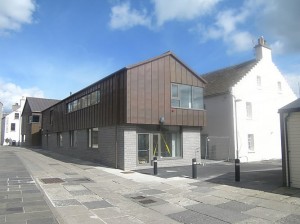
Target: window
(84, 101)
(51, 117)
(12, 127)
(185, 96)
(170, 144)
(279, 87)
(93, 138)
(258, 81)
(249, 110)
(34, 119)
(250, 142)
(73, 138)
(17, 116)
(59, 140)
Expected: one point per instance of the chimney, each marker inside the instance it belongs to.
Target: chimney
(15, 107)
(262, 50)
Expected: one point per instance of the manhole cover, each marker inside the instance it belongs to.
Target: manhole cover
(138, 197)
(147, 201)
(52, 180)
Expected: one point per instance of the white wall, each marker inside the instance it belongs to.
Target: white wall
(220, 124)
(266, 100)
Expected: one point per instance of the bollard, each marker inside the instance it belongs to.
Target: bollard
(194, 168)
(237, 169)
(155, 165)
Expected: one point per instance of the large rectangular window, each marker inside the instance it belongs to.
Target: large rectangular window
(187, 97)
(84, 101)
(34, 119)
(93, 138)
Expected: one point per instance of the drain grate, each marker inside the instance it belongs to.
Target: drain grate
(138, 197)
(52, 180)
(147, 201)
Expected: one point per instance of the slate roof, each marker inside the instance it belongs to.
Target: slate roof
(220, 81)
(40, 104)
(291, 107)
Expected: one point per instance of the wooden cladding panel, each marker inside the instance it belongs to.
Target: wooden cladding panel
(109, 111)
(149, 93)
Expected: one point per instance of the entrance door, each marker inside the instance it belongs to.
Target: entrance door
(143, 148)
(148, 147)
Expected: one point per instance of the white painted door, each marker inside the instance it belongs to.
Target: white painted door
(293, 127)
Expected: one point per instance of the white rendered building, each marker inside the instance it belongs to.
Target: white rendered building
(12, 125)
(242, 103)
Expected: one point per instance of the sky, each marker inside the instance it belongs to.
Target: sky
(51, 48)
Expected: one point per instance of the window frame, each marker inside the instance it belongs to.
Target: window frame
(249, 110)
(251, 143)
(178, 97)
(18, 116)
(92, 144)
(12, 127)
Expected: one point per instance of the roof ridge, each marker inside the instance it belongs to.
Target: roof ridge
(229, 67)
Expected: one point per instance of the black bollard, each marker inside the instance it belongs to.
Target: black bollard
(155, 165)
(237, 169)
(194, 168)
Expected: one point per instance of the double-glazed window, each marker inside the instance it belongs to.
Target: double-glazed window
(187, 97)
(85, 101)
(93, 138)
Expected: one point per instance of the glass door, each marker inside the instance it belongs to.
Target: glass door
(143, 148)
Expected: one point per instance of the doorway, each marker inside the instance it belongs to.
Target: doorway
(148, 147)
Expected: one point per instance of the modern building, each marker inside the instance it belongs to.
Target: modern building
(242, 103)
(150, 109)
(32, 120)
(12, 125)
(1, 115)
(290, 143)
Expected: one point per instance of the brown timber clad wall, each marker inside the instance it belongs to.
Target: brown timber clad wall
(149, 93)
(110, 111)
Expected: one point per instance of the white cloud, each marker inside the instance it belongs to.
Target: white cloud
(14, 13)
(123, 17)
(11, 93)
(182, 10)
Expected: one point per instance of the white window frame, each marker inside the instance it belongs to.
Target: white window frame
(249, 110)
(251, 142)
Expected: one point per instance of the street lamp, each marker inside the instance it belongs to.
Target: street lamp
(236, 125)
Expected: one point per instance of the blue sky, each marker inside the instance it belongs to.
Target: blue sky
(49, 48)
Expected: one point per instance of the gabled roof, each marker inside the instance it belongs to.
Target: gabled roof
(221, 81)
(39, 104)
(291, 107)
(168, 53)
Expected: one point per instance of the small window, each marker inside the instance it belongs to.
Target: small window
(279, 87)
(59, 140)
(35, 119)
(249, 110)
(93, 138)
(17, 116)
(73, 138)
(258, 81)
(12, 127)
(250, 142)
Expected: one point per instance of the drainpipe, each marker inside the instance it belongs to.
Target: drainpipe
(116, 145)
(287, 150)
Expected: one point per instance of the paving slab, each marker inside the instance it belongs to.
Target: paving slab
(268, 214)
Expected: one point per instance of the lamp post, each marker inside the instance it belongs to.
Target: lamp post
(236, 161)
